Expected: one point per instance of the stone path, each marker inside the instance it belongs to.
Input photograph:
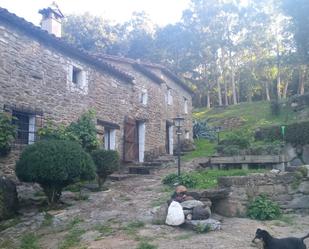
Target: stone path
(104, 221)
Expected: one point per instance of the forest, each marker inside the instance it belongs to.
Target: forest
(227, 51)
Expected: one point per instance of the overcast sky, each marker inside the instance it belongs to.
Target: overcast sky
(161, 12)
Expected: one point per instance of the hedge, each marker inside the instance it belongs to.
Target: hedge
(296, 133)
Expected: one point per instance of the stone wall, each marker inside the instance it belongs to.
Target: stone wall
(34, 75)
(281, 188)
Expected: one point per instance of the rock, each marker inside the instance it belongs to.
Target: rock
(305, 155)
(175, 215)
(299, 202)
(304, 188)
(296, 162)
(189, 217)
(203, 225)
(215, 194)
(187, 211)
(207, 202)
(201, 213)
(191, 204)
(8, 198)
(159, 214)
(290, 152)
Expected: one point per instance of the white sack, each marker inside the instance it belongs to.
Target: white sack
(175, 215)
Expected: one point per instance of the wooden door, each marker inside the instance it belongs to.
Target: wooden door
(130, 140)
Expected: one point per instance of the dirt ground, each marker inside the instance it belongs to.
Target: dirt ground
(105, 216)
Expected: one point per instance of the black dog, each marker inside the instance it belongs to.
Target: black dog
(285, 243)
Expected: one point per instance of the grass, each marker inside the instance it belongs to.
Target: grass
(105, 229)
(203, 148)
(132, 227)
(29, 241)
(9, 223)
(207, 179)
(146, 245)
(48, 220)
(72, 238)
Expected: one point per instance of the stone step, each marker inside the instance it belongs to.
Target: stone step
(141, 170)
(119, 177)
(152, 164)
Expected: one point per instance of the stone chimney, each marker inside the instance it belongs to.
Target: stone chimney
(51, 19)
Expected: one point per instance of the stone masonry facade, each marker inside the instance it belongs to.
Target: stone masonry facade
(35, 76)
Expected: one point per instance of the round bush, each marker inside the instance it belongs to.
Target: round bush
(107, 162)
(54, 164)
(263, 208)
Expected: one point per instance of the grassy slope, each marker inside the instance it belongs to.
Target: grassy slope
(253, 115)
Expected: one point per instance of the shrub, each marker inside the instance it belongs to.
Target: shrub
(263, 209)
(107, 162)
(275, 108)
(7, 133)
(296, 133)
(82, 131)
(54, 164)
(202, 130)
(187, 180)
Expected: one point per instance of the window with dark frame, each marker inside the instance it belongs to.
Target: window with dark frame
(77, 76)
(26, 127)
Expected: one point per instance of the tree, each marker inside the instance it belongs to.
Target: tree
(298, 11)
(90, 33)
(54, 164)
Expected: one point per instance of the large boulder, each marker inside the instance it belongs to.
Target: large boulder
(8, 198)
(305, 155)
(190, 204)
(201, 213)
(203, 225)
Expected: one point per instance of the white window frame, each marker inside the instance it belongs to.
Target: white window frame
(81, 82)
(185, 106)
(187, 135)
(169, 96)
(144, 97)
(109, 139)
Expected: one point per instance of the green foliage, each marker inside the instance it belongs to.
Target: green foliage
(54, 164)
(107, 162)
(84, 128)
(7, 133)
(82, 131)
(296, 133)
(233, 143)
(146, 245)
(187, 180)
(202, 130)
(262, 208)
(29, 241)
(203, 148)
(204, 179)
(200, 228)
(275, 107)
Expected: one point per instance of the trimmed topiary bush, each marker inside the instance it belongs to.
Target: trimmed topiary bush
(107, 162)
(54, 164)
(262, 208)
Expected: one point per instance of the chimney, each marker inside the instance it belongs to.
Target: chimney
(51, 19)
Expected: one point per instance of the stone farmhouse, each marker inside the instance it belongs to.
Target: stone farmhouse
(44, 78)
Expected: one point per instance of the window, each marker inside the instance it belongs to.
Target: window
(185, 106)
(187, 135)
(109, 139)
(144, 97)
(169, 96)
(25, 123)
(77, 76)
